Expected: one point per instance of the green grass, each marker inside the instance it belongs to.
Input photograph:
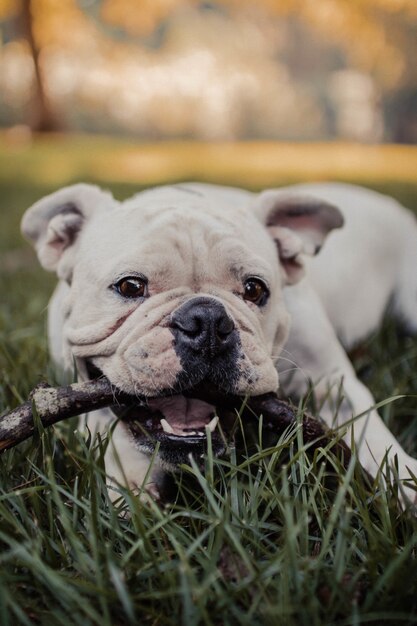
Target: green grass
(247, 542)
(266, 535)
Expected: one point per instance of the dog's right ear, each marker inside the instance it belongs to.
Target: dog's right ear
(53, 223)
(298, 224)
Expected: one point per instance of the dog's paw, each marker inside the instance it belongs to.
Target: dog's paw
(148, 495)
(397, 469)
(408, 486)
(404, 479)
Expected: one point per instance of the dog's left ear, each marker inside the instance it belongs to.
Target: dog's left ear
(299, 225)
(54, 223)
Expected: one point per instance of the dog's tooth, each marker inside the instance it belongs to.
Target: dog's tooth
(167, 428)
(213, 423)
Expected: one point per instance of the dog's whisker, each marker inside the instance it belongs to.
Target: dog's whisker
(279, 358)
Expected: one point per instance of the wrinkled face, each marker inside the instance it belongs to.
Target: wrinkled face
(171, 297)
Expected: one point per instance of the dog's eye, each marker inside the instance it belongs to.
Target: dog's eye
(132, 287)
(255, 291)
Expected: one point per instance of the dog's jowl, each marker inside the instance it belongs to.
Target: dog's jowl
(185, 295)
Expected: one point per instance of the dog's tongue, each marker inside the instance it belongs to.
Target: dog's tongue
(183, 413)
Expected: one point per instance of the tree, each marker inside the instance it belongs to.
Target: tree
(42, 117)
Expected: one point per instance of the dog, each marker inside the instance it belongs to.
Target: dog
(192, 291)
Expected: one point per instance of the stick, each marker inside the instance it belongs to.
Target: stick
(278, 415)
(54, 404)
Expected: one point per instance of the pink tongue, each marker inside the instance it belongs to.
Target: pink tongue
(183, 412)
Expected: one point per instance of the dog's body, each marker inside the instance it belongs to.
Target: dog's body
(193, 286)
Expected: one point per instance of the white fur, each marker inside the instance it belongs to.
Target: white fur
(362, 267)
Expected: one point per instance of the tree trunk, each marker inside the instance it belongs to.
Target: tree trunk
(42, 118)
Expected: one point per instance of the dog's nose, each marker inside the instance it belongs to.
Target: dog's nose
(203, 325)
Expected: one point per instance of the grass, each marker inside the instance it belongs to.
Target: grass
(249, 542)
(266, 535)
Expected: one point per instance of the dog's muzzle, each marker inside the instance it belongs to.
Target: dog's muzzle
(179, 420)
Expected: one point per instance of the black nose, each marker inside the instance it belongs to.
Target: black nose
(203, 325)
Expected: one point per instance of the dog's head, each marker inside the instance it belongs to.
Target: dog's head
(176, 295)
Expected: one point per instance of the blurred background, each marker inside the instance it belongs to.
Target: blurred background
(238, 91)
(222, 70)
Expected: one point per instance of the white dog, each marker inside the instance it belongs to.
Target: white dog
(194, 286)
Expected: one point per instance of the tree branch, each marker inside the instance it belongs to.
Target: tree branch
(54, 404)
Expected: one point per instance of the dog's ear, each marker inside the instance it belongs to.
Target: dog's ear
(53, 223)
(299, 225)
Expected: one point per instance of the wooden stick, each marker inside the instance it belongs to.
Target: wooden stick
(54, 404)
(278, 415)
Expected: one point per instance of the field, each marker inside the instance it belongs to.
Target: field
(265, 536)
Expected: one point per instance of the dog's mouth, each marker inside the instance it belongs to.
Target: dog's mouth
(178, 425)
(180, 416)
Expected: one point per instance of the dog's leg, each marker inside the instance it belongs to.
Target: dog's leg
(405, 289)
(126, 466)
(314, 354)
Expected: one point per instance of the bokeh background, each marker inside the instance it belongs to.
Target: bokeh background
(221, 70)
(175, 85)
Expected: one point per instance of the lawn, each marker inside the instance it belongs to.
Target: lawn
(266, 535)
